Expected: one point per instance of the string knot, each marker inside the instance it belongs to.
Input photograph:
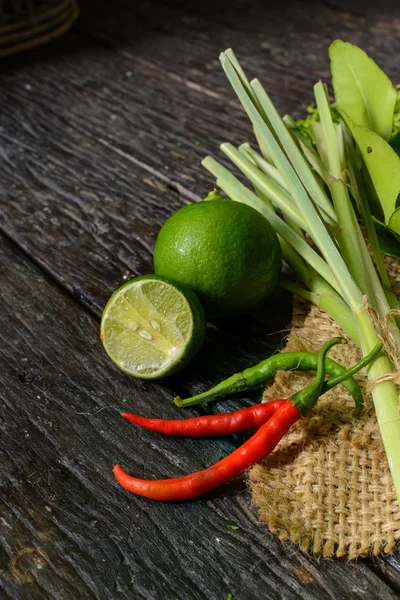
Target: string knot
(383, 329)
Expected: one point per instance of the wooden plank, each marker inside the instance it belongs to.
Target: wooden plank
(68, 530)
(60, 181)
(71, 169)
(388, 568)
(284, 44)
(125, 120)
(91, 115)
(90, 216)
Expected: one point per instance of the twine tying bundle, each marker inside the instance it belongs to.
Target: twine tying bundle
(327, 486)
(384, 333)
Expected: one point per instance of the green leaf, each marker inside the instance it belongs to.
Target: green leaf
(362, 89)
(389, 241)
(233, 527)
(382, 162)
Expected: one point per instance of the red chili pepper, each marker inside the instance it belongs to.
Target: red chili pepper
(284, 414)
(244, 419)
(201, 482)
(254, 450)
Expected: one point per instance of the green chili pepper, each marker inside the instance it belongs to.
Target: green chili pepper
(288, 361)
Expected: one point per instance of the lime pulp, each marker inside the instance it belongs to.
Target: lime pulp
(151, 327)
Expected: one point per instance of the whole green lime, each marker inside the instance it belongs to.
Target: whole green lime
(227, 252)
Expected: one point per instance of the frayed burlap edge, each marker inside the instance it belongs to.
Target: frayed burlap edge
(327, 486)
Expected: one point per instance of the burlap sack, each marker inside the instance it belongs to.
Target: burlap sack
(327, 486)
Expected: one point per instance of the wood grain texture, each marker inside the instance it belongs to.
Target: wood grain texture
(83, 136)
(91, 136)
(68, 530)
(89, 215)
(101, 138)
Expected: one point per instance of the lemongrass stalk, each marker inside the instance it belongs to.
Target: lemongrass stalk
(264, 198)
(339, 135)
(351, 240)
(353, 249)
(386, 399)
(308, 149)
(348, 288)
(289, 122)
(318, 232)
(385, 394)
(351, 293)
(263, 164)
(321, 293)
(294, 260)
(239, 192)
(260, 109)
(262, 145)
(243, 78)
(275, 192)
(297, 290)
(337, 309)
(287, 219)
(358, 190)
(312, 156)
(292, 224)
(230, 55)
(320, 142)
(293, 152)
(329, 302)
(289, 254)
(251, 155)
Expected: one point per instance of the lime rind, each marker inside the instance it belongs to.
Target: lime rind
(151, 327)
(225, 251)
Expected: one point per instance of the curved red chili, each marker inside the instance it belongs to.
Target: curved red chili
(244, 419)
(201, 482)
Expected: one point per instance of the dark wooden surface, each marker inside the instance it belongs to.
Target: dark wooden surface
(101, 137)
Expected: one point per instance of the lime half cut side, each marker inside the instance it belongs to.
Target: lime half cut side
(151, 327)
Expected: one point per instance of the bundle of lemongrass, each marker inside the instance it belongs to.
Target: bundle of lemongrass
(320, 188)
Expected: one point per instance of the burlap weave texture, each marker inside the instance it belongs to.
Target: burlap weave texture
(327, 486)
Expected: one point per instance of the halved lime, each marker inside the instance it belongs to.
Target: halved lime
(151, 327)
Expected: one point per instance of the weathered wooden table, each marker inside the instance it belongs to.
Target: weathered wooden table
(101, 137)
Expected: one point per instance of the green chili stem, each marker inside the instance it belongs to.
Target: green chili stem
(307, 398)
(357, 367)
